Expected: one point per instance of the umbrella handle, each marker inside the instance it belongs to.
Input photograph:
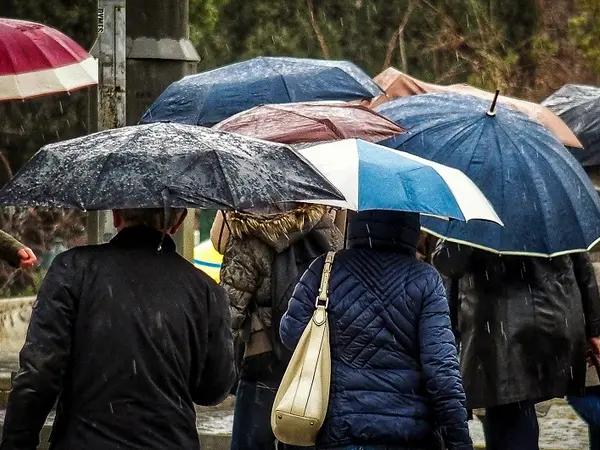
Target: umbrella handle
(492, 111)
(166, 197)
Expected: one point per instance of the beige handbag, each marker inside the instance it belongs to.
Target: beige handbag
(301, 402)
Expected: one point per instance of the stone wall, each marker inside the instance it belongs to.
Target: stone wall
(14, 318)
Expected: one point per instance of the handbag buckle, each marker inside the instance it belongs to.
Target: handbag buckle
(323, 297)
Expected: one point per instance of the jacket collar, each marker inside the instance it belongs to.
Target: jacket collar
(141, 236)
(389, 231)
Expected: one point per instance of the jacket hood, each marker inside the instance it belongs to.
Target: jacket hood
(392, 231)
(281, 229)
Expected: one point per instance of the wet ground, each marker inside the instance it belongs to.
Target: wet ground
(560, 429)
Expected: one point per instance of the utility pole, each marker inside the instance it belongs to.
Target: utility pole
(151, 45)
(159, 52)
(110, 50)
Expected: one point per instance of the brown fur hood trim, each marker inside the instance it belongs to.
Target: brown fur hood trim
(273, 227)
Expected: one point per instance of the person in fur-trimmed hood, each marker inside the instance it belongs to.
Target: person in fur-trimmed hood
(266, 253)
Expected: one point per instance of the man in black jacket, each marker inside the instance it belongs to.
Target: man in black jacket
(130, 335)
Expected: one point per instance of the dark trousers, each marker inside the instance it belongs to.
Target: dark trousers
(366, 447)
(588, 408)
(511, 427)
(252, 418)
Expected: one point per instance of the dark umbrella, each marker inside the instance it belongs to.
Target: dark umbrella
(165, 165)
(579, 107)
(210, 97)
(397, 84)
(540, 192)
(311, 122)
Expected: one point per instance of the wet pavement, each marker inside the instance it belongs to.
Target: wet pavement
(560, 429)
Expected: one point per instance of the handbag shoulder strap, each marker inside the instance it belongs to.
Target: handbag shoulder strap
(323, 297)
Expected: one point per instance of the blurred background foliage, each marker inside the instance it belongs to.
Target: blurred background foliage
(527, 48)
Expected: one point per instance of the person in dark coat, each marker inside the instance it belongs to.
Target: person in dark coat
(523, 325)
(129, 335)
(395, 378)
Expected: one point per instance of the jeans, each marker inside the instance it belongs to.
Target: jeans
(588, 408)
(252, 418)
(511, 427)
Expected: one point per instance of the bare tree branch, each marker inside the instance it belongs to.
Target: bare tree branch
(396, 36)
(6, 164)
(402, 46)
(317, 29)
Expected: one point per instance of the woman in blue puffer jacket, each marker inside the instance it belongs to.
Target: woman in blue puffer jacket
(395, 381)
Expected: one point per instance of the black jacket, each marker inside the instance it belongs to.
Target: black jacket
(523, 323)
(130, 338)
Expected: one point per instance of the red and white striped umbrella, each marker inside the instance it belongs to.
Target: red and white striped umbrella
(37, 60)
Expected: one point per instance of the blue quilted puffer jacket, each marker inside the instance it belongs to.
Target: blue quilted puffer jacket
(395, 371)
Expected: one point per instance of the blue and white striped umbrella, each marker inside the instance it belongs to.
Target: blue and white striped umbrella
(371, 176)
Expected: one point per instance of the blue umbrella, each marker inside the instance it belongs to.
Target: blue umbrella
(371, 176)
(541, 193)
(210, 97)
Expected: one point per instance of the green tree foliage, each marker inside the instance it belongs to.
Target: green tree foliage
(435, 40)
(526, 47)
(584, 30)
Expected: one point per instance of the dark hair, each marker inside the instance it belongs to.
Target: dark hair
(151, 217)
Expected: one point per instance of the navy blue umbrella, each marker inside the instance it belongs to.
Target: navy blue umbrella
(541, 193)
(210, 97)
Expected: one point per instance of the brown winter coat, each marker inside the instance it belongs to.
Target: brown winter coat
(246, 267)
(9, 247)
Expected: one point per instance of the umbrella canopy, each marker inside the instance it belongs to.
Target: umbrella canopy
(374, 177)
(165, 165)
(579, 107)
(311, 122)
(38, 60)
(539, 190)
(210, 97)
(397, 84)
(208, 260)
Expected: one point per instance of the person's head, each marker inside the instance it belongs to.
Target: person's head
(384, 230)
(150, 217)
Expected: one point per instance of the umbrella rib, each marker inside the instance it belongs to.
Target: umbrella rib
(357, 83)
(571, 203)
(217, 157)
(102, 169)
(267, 62)
(286, 87)
(536, 192)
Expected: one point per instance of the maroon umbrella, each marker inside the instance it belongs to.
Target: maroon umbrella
(37, 60)
(294, 123)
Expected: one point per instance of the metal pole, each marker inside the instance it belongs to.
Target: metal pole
(159, 53)
(111, 49)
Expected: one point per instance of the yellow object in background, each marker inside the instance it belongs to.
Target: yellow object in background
(207, 259)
